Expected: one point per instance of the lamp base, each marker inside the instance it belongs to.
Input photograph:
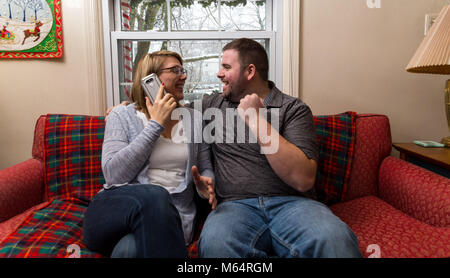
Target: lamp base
(446, 142)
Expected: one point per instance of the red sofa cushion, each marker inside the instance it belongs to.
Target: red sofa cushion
(397, 234)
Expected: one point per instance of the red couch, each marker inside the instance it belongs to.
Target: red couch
(396, 209)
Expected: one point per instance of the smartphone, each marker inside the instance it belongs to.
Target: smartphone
(151, 84)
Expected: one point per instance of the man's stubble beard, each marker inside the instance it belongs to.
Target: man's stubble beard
(235, 94)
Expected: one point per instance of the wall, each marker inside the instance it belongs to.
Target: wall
(73, 84)
(354, 58)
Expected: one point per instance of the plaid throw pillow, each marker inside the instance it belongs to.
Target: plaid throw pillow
(336, 137)
(73, 147)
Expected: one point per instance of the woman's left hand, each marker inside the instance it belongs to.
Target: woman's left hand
(205, 187)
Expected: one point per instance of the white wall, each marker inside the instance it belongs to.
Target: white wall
(354, 58)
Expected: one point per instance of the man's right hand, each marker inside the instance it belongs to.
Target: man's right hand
(124, 103)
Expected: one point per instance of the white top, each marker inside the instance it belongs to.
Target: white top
(169, 158)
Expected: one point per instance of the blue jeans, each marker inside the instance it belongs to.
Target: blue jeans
(284, 226)
(134, 221)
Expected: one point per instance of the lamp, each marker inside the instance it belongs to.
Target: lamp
(433, 56)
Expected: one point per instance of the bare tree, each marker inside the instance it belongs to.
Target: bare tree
(9, 8)
(35, 5)
(22, 4)
(143, 17)
(146, 15)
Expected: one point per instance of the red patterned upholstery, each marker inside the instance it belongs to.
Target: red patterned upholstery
(373, 144)
(21, 187)
(38, 142)
(415, 191)
(397, 234)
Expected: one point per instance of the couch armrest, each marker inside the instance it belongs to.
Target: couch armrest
(415, 191)
(21, 187)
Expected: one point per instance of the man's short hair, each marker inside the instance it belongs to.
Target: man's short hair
(251, 52)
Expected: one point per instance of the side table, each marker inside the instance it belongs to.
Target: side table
(434, 159)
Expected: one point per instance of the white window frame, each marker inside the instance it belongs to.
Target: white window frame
(112, 34)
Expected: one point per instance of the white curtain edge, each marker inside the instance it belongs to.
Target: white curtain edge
(291, 47)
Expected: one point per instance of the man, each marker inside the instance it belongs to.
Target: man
(263, 209)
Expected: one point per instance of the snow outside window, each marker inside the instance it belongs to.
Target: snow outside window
(196, 29)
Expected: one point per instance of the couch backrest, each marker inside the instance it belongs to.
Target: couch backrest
(373, 144)
(38, 140)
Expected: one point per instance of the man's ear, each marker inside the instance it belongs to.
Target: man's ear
(251, 72)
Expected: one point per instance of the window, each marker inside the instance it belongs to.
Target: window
(197, 29)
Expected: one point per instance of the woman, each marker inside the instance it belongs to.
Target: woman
(146, 208)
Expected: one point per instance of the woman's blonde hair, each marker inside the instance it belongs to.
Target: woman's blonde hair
(150, 63)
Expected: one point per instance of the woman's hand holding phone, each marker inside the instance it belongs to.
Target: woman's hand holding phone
(161, 110)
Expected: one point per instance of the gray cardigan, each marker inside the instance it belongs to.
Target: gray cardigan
(127, 147)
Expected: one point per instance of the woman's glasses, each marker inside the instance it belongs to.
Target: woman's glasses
(177, 70)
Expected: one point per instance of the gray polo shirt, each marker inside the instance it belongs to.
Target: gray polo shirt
(241, 170)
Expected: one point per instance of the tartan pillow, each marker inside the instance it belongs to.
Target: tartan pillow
(336, 138)
(72, 155)
(54, 231)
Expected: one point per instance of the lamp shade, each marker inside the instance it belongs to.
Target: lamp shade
(433, 55)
